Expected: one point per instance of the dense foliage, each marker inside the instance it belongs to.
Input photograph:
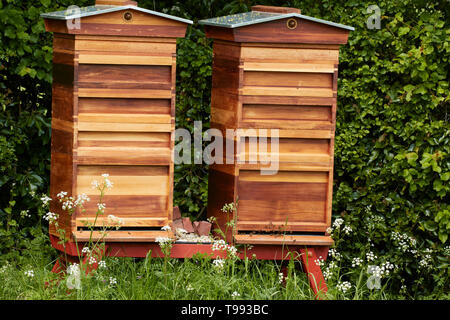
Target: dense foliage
(392, 154)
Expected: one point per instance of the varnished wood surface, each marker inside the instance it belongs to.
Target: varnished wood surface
(284, 239)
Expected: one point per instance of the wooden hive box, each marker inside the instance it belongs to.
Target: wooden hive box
(113, 110)
(274, 68)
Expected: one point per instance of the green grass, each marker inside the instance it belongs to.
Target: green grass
(140, 279)
(177, 279)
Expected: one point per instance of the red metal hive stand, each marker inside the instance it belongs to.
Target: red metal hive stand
(113, 112)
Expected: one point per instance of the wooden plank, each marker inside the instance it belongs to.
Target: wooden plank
(286, 133)
(280, 226)
(293, 54)
(128, 206)
(252, 112)
(135, 221)
(284, 239)
(125, 59)
(123, 77)
(288, 79)
(298, 101)
(285, 176)
(124, 127)
(289, 67)
(122, 236)
(126, 185)
(122, 118)
(287, 124)
(125, 45)
(287, 91)
(120, 139)
(124, 106)
(123, 156)
(125, 93)
(287, 166)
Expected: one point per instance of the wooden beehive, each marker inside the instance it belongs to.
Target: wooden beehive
(274, 68)
(113, 112)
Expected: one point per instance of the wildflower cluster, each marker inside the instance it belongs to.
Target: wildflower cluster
(29, 273)
(344, 286)
(370, 256)
(51, 217)
(219, 263)
(105, 184)
(336, 255)
(221, 245)
(71, 203)
(405, 242)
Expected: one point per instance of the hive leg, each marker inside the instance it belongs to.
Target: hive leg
(315, 276)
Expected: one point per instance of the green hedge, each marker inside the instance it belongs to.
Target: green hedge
(392, 140)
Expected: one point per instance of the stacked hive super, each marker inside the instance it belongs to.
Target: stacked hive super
(274, 68)
(113, 112)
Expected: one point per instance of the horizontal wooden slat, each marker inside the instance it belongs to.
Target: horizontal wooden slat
(123, 156)
(124, 127)
(124, 93)
(284, 176)
(124, 106)
(283, 133)
(128, 76)
(128, 206)
(288, 79)
(119, 44)
(280, 239)
(289, 67)
(125, 59)
(124, 118)
(289, 91)
(282, 226)
(287, 125)
(252, 112)
(120, 139)
(127, 180)
(135, 221)
(122, 236)
(266, 52)
(286, 166)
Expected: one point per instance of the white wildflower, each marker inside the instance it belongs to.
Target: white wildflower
(29, 273)
(112, 281)
(219, 263)
(101, 206)
(280, 277)
(61, 195)
(102, 264)
(356, 262)
(347, 229)
(235, 294)
(95, 184)
(370, 256)
(336, 255)
(105, 175)
(45, 199)
(92, 260)
(51, 217)
(338, 222)
(189, 287)
(166, 228)
(344, 286)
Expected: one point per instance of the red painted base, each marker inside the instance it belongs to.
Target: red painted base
(308, 255)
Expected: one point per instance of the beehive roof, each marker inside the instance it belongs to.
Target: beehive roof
(70, 14)
(255, 17)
